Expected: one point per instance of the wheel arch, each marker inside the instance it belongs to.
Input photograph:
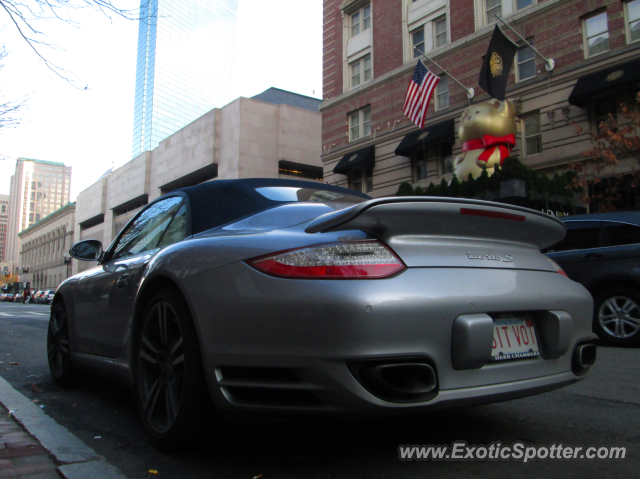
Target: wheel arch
(148, 288)
(604, 284)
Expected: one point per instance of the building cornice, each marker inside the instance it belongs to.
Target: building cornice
(48, 219)
(436, 54)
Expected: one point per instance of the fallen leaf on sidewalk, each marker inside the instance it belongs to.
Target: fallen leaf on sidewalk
(35, 388)
(13, 363)
(257, 477)
(153, 471)
(35, 400)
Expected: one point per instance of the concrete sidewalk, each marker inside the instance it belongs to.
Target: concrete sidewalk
(34, 446)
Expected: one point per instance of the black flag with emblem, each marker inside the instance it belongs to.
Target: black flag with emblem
(497, 64)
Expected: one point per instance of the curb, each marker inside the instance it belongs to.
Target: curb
(74, 458)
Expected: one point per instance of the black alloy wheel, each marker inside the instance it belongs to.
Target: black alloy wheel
(58, 346)
(170, 382)
(617, 317)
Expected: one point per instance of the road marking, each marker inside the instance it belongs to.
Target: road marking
(22, 316)
(38, 314)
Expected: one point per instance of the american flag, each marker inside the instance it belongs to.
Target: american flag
(419, 94)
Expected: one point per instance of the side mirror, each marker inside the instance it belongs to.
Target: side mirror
(87, 250)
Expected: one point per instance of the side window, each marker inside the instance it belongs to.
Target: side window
(621, 234)
(580, 235)
(177, 230)
(145, 231)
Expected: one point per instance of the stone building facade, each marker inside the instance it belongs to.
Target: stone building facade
(44, 248)
(38, 188)
(369, 60)
(275, 134)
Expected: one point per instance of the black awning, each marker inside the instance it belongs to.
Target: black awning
(363, 157)
(417, 140)
(609, 79)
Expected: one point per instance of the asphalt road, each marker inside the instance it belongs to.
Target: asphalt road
(602, 410)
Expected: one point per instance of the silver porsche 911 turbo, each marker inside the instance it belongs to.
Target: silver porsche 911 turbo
(284, 296)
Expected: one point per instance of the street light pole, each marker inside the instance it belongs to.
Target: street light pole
(67, 261)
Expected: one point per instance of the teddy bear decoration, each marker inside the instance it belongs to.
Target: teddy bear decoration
(487, 131)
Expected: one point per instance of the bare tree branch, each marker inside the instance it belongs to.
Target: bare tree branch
(25, 14)
(9, 110)
(613, 142)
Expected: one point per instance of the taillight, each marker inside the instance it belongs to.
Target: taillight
(362, 260)
(559, 270)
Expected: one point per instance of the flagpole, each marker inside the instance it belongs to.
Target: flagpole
(549, 63)
(470, 91)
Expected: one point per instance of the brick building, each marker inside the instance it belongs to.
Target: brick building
(368, 144)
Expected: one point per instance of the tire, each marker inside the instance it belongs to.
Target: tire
(58, 347)
(616, 316)
(170, 385)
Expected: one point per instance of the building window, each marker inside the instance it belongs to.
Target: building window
(418, 42)
(526, 61)
(420, 169)
(492, 7)
(299, 170)
(429, 36)
(361, 20)
(520, 4)
(434, 160)
(442, 93)
(596, 32)
(633, 20)
(361, 71)
(360, 123)
(361, 179)
(441, 36)
(603, 106)
(532, 134)
(446, 158)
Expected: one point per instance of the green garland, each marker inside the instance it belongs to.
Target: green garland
(543, 192)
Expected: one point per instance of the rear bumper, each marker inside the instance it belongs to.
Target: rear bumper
(277, 345)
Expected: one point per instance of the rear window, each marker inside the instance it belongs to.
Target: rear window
(580, 235)
(291, 194)
(285, 216)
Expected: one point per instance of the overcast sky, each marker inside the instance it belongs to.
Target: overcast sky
(279, 44)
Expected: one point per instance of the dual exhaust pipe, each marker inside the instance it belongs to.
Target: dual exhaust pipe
(584, 356)
(399, 381)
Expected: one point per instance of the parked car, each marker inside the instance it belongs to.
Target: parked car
(284, 296)
(37, 296)
(48, 296)
(602, 252)
(2, 296)
(8, 297)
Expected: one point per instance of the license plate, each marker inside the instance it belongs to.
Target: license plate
(514, 338)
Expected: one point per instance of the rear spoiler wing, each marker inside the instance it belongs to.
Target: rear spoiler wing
(410, 215)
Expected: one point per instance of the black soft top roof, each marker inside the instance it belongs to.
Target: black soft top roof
(219, 202)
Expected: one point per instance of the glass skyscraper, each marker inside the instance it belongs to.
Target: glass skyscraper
(186, 57)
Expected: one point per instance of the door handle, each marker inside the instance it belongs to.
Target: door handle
(123, 281)
(593, 256)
